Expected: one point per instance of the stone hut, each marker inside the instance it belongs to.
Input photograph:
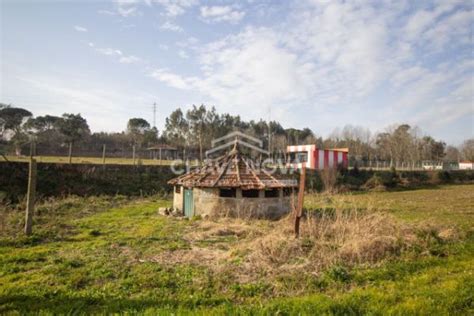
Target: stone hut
(232, 185)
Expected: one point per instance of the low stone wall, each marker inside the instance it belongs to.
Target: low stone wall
(207, 202)
(83, 180)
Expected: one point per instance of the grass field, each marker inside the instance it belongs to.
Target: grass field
(110, 255)
(90, 160)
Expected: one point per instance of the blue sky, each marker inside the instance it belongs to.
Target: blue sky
(317, 64)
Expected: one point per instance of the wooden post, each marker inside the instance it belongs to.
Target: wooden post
(31, 195)
(299, 207)
(133, 154)
(31, 149)
(70, 153)
(103, 154)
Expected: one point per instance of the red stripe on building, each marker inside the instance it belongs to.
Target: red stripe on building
(344, 160)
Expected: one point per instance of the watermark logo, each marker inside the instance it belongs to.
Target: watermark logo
(237, 140)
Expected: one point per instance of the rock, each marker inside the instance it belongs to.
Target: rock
(176, 213)
(163, 211)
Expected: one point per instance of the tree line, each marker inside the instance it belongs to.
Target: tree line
(191, 132)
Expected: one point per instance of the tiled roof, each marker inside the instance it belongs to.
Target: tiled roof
(233, 171)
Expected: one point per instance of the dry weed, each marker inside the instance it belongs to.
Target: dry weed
(251, 249)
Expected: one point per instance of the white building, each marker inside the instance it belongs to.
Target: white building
(466, 165)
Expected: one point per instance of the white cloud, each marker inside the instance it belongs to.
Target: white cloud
(127, 8)
(118, 54)
(80, 28)
(109, 51)
(107, 12)
(331, 55)
(183, 54)
(129, 59)
(171, 27)
(172, 80)
(124, 8)
(190, 42)
(249, 71)
(221, 14)
(174, 8)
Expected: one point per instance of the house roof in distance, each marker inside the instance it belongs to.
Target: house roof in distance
(161, 146)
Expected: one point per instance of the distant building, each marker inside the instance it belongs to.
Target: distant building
(162, 151)
(315, 158)
(466, 165)
(431, 165)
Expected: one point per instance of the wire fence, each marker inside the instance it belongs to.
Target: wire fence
(165, 155)
(403, 165)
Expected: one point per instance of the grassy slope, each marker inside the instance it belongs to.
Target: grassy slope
(448, 204)
(88, 260)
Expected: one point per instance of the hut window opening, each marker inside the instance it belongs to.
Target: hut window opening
(273, 193)
(250, 193)
(228, 192)
(177, 189)
(287, 191)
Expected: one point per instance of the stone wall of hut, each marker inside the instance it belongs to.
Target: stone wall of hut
(207, 202)
(178, 198)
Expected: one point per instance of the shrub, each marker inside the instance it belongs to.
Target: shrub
(375, 183)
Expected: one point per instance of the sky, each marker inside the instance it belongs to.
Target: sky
(304, 63)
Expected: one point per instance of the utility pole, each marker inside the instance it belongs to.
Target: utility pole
(270, 131)
(154, 114)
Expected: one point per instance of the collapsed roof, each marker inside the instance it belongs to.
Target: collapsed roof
(233, 170)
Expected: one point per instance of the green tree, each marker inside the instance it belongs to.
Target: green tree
(136, 129)
(74, 128)
(12, 122)
(198, 125)
(176, 129)
(42, 124)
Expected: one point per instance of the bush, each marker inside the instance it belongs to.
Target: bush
(375, 183)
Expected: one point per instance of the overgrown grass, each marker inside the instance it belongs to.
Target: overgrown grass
(111, 255)
(446, 204)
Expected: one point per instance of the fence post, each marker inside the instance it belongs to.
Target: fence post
(299, 207)
(103, 154)
(32, 148)
(70, 153)
(31, 195)
(133, 154)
